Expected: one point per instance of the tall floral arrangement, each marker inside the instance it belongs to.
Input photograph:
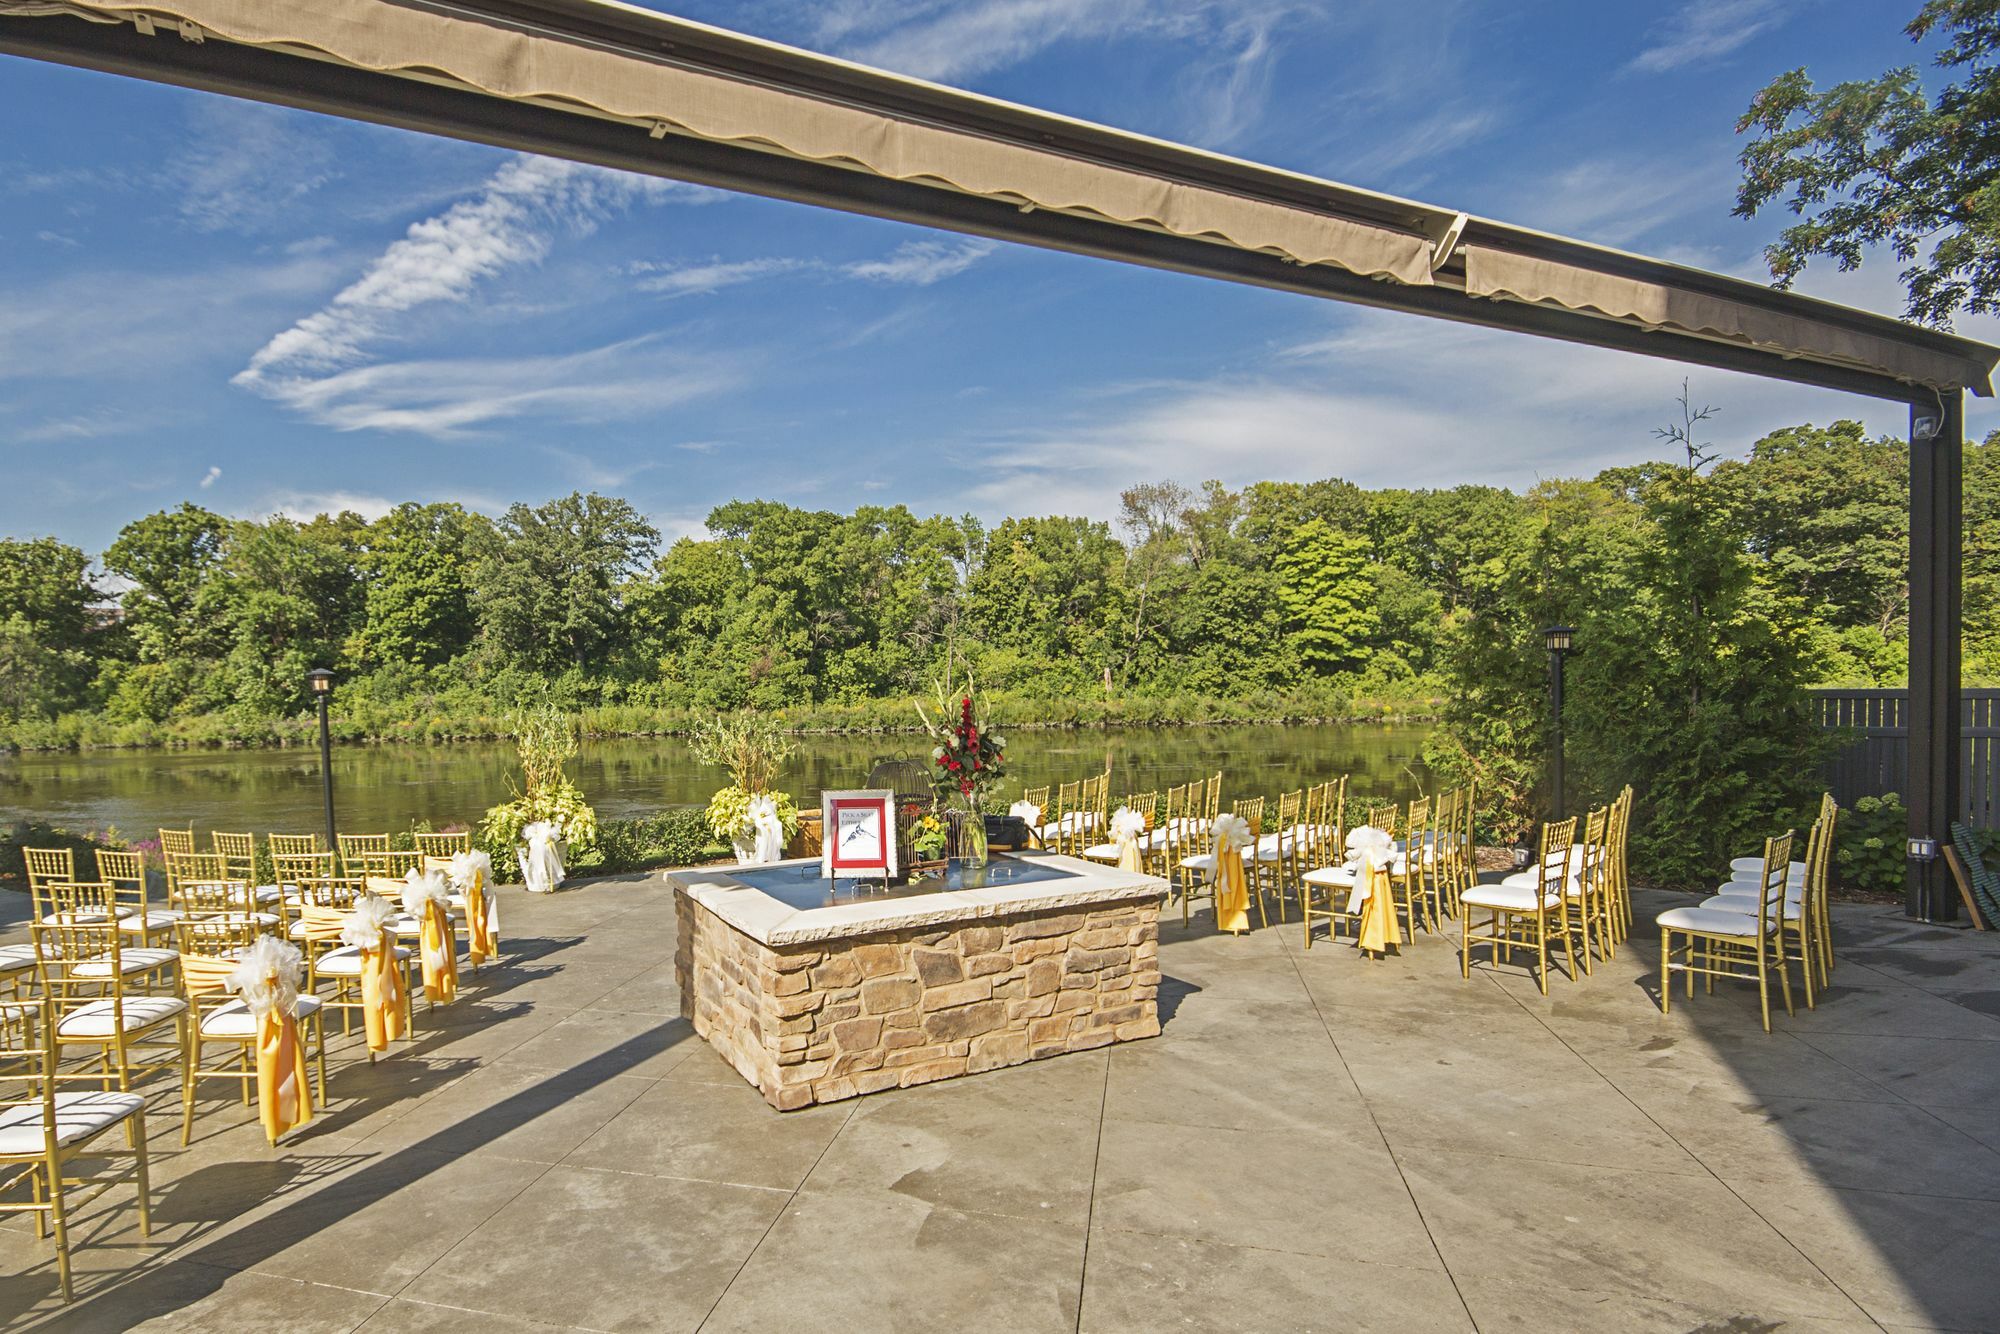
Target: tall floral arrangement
(751, 752)
(545, 740)
(966, 755)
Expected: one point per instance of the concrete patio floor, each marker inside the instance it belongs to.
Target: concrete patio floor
(1316, 1142)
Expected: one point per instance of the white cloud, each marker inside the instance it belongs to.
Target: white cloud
(512, 221)
(449, 398)
(245, 165)
(95, 424)
(698, 279)
(1618, 201)
(305, 506)
(921, 263)
(208, 478)
(48, 237)
(1706, 30)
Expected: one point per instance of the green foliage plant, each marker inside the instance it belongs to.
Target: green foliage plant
(1869, 848)
(545, 741)
(751, 751)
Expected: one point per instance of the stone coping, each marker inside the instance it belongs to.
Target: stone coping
(766, 920)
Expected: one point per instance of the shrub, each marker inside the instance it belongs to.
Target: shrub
(39, 834)
(1869, 848)
(678, 837)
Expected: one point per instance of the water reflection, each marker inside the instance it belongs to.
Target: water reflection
(380, 787)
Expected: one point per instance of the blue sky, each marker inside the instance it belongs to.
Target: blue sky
(268, 311)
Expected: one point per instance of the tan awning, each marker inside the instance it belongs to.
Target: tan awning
(1500, 273)
(510, 63)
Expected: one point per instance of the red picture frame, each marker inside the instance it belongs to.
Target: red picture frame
(858, 835)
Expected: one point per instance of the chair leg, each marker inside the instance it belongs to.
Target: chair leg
(135, 1135)
(191, 1068)
(1666, 974)
(59, 1224)
(1763, 988)
(1542, 951)
(1785, 978)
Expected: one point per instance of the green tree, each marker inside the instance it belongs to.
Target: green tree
(168, 559)
(1875, 162)
(418, 603)
(548, 578)
(1326, 596)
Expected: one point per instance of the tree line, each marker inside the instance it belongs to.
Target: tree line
(1214, 592)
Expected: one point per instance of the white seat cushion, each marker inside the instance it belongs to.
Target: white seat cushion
(1331, 877)
(78, 1117)
(1747, 905)
(235, 1019)
(95, 1020)
(1102, 852)
(1710, 921)
(346, 961)
(156, 919)
(1750, 868)
(16, 959)
(1074, 822)
(1530, 881)
(1519, 898)
(1200, 861)
(129, 962)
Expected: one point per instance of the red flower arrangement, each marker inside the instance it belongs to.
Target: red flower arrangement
(967, 755)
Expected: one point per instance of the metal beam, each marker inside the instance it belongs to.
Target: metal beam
(269, 76)
(1937, 449)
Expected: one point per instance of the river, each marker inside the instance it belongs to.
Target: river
(393, 786)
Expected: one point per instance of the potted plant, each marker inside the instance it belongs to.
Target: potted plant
(548, 822)
(756, 820)
(966, 756)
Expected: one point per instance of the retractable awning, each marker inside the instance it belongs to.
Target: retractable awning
(655, 93)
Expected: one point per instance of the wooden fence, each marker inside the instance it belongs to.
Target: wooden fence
(1877, 757)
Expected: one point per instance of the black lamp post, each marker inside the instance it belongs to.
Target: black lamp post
(1558, 639)
(320, 682)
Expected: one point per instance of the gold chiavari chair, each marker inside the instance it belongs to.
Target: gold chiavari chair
(386, 865)
(1418, 882)
(1590, 887)
(85, 970)
(1621, 880)
(1251, 810)
(1521, 908)
(44, 1130)
(1726, 943)
(1038, 797)
(1212, 797)
(47, 866)
(218, 1016)
(17, 968)
(1267, 862)
(353, 845)
(95, 903)
(293, 845)
(177, 842)
(1057, 834)
(1803, 925)
(294, 869)
(443, 845)
(209, 895)
(238, 853)
(125, 874)
(322, 917)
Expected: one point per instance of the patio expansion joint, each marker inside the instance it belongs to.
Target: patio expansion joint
(1713, 1175)
(1395, 1160)
(1090, 1205)
(468, 1310)
(778, 1217)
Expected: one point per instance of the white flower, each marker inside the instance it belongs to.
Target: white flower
(367, 924)
(421, 888)
(267, 976)
(1370, 847)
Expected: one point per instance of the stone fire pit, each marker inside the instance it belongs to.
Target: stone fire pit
(815, 995)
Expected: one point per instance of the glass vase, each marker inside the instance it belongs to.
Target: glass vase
(972, 854)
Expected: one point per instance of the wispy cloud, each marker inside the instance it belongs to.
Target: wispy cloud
(1618, 201)
(700, 279)
(921, 263)
(95, 424)
(245, 166)
(512, 221)
(444, 399)
(305, 506)
(1706, 30)
(208, 478)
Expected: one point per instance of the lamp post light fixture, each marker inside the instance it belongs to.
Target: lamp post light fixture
(1558, 638)
(319, 681)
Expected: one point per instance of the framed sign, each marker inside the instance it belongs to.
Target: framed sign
(859, 835)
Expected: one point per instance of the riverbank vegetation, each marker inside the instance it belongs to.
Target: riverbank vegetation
(1279, 602)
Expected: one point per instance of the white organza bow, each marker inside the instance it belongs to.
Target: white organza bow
(465, 866)
(1371, 848)
(368, 923)
(1026, 810)
(421, 887)
(1126, 823)
(769, 828)
(1232, 833)
(267, 976)
(541, 862)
